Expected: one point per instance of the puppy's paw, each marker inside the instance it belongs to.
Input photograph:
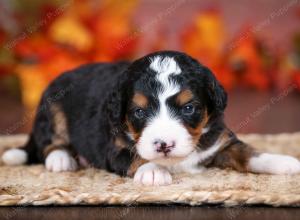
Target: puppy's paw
(152, 175)
(274, 164)
(60, 160)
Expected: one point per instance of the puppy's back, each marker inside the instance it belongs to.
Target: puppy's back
(69, 111)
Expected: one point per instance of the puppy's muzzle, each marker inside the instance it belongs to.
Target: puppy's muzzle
(164, 147)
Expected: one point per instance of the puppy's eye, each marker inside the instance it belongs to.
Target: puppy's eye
(139, 113)
(188, 109)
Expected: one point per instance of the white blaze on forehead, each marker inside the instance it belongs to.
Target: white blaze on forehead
(164, 66)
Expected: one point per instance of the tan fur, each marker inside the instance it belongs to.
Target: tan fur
(131, 130)
(184, 97)
(60, 138)
(47, 150)
(59, 123)
(197, 132)
(140, 100)
(136, 163)
(120, 143)
(233, 154)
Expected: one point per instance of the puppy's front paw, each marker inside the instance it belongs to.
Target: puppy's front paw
(275, 164)
(60, 160)
(152, 175)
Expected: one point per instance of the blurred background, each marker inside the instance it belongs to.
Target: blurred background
(253, 47)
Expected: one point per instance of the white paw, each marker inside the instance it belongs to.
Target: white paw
(14, 157)
(274, 164)
(152, 175)
(60, 160)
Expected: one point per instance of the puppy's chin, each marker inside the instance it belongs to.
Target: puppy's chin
(167, 161)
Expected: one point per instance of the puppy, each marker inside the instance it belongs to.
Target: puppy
(159, 115)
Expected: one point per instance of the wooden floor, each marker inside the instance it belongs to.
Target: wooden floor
(247, 112)
(150, 212)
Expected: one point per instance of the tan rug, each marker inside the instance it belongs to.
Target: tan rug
(33, 185)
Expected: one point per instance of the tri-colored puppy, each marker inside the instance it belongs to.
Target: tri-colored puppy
(159, 115)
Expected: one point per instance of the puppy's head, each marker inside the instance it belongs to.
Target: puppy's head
(167, 100)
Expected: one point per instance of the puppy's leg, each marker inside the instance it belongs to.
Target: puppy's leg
(243, 158)
(57, 154)
(274, 164)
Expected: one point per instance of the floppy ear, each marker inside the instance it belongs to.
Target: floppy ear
(216, 94)
(116, 104)
(117, 101)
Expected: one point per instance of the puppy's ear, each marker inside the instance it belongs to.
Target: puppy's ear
(216, 94)
(116, 104)
(117, 101)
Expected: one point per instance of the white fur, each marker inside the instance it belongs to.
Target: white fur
(152, 174)
(165, 128)
(274, 164)
(205, 130)
(60, 160)
(14, 157)
(192, 163)
(164, 66)
(130, 136)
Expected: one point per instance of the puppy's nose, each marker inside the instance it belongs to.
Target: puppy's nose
(164, 147)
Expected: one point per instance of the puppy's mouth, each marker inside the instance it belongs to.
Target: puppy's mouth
(165, 157)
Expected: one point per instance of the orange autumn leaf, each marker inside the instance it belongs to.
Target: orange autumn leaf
(35, 78)
(205, 39)
(297, 79)
(82, 33)
(38, 46)
(32, 84)
(114, 32)
(245, 61)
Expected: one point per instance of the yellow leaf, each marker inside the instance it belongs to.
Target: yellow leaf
(69, 30)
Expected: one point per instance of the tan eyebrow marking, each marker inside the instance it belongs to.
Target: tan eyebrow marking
(140, 100)
(184, 96)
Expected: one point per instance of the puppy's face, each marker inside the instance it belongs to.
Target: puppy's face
(169, 108)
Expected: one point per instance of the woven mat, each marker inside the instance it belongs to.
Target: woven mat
(33, 185)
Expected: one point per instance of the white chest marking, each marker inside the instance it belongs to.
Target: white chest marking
(192, 164)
